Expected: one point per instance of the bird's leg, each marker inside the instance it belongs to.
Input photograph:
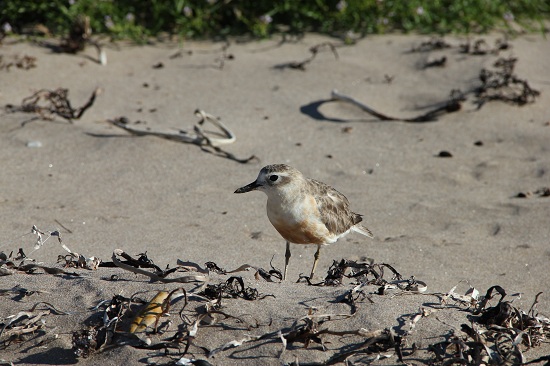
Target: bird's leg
(316, 256)
(287, 259)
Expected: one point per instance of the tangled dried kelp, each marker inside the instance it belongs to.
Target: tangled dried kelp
(477, 47)
(234, 287)
(149, 324)
(357, 270)
(79, 35)
(433, 44)
(498, 84)
(135, 266)
(25, 62)
(502, 84)
(70, 260)
(269, 276)
(107, 331)
(209, 141)
(21, 263)
(311, 329)
(101, 332)
(481, 47)
(134, 322)
(104, 332)
(208, 319)
(366, 274)
(14, 328)
(54, 103)
(9, 264)
(497, 334)
(314, 329)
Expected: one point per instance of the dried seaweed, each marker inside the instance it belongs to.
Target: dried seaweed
(215, 268)
(71, 260)
(367, 273)
(502, 84)
(269, 276)
(104, 334)
(20, 292)
(80, 34)
(375, 343)
(438, 62)
(541, 192)
(234, 287)
(477, 47)
(54, 103)
(481, 47)
(470, 299)
(133, 265)
(9, 264)
(433, 44)
(498, 334)
(85, 342)
(14, 327)
(272, 274)
(310, 330)
(25, 62)
(453, 104)
(499, 84)
(208, 141)
(301, 65)
(101, 334)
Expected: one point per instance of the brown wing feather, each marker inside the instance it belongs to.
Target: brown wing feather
(334, 208)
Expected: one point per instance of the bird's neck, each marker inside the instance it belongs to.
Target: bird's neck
(283, 196)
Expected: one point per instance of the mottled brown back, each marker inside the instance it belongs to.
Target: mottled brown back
(334, 208)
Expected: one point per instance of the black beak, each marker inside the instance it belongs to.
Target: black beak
(249, 187)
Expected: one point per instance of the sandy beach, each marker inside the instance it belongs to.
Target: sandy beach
(461, 200)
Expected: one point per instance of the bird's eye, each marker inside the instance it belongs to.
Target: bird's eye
(273, 177)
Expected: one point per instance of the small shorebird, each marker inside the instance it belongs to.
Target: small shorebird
(303, 210)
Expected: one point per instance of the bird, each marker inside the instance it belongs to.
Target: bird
(304, 210)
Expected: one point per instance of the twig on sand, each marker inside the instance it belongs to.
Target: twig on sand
(301, 65)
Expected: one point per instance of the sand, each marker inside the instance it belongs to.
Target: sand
(445, 221)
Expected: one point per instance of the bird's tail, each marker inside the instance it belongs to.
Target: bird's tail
(362, 230)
